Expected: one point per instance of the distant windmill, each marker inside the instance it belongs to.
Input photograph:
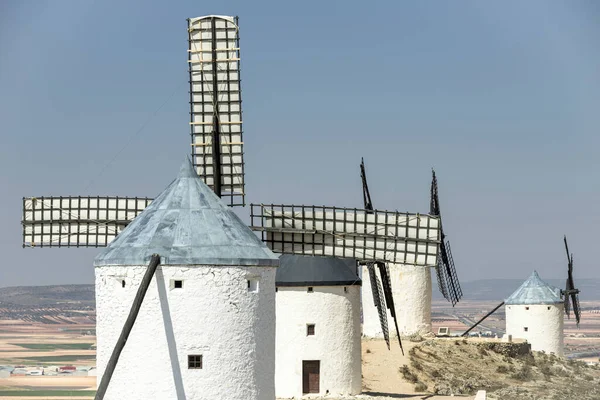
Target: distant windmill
(535, 310)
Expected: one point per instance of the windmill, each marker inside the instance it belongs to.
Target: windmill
(216, 142)
(217, 153)
(571, 294)
(541, 293)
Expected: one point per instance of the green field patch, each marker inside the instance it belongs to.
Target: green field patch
(55, 346)
(74, 357)
(47, 393)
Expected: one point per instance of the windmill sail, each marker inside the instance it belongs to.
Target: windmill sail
(368, 204)
(379, 300)
(384, 271)
(216, 105)
(77, 221)
(447, 277)
(365, 235)
(571, 294)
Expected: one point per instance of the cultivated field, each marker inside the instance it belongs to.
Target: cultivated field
(48, 347)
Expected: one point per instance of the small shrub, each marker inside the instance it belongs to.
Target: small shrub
(546, 370)
(436, 374)
(420, 387)
(524, 374)
(502, 369)
(407, 374)
(417, 365)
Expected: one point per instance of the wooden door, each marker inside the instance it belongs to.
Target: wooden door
(310, 376)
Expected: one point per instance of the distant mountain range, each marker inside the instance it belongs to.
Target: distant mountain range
(83, 295)
(500, 289)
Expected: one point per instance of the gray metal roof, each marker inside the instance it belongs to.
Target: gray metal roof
(187, 224)
(535, 291)
(298, 270)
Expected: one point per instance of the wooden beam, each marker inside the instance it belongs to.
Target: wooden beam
(133, 313)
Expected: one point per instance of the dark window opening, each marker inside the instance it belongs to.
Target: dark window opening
(178, 284)
(527, 308)
(310, 330)
(310, 289)
(276, 289)
(526, 329)
(123, 283)
(548, 307)
(195, 361)
(253, 285)
(345, 289)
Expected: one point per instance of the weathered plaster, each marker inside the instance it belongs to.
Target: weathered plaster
(214, 314)
(411, 288)
(544, 323)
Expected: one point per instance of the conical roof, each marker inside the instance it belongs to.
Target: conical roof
(187, 224)
(535, 291)
(301, 270)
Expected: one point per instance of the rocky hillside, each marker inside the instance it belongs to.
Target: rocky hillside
(506, 371)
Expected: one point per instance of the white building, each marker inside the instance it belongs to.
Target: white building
(411, 289)
(206, 327)
(535, 312)
(318, 348)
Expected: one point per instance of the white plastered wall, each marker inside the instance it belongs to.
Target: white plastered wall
(336, 343)
(213, 315)
(411, 289)
(544, 323)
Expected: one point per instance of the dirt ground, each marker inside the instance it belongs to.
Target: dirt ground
(33, 382)
(381, 376)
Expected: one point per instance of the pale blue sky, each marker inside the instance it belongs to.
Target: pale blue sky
(501, 98)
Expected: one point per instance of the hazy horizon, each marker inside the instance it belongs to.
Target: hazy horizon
(500, 98)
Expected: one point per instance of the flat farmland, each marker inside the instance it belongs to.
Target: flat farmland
(32, 344)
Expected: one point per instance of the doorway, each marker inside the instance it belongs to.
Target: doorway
(310, 376)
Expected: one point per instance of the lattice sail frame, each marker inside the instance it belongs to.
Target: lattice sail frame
(77, 221)
(367, 235)
(216, 105)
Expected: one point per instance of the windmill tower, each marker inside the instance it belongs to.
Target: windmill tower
(318, 345)
(207, 323)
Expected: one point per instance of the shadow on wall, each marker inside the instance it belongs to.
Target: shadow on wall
(168, 324)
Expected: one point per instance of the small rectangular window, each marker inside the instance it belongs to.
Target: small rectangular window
(178, 284)
(123, 283)
(527, 308)
(310, 289)
(526, 329)
(345, 289)
(310, 330)
(195, 361)
(548, 307)
(253, 285)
